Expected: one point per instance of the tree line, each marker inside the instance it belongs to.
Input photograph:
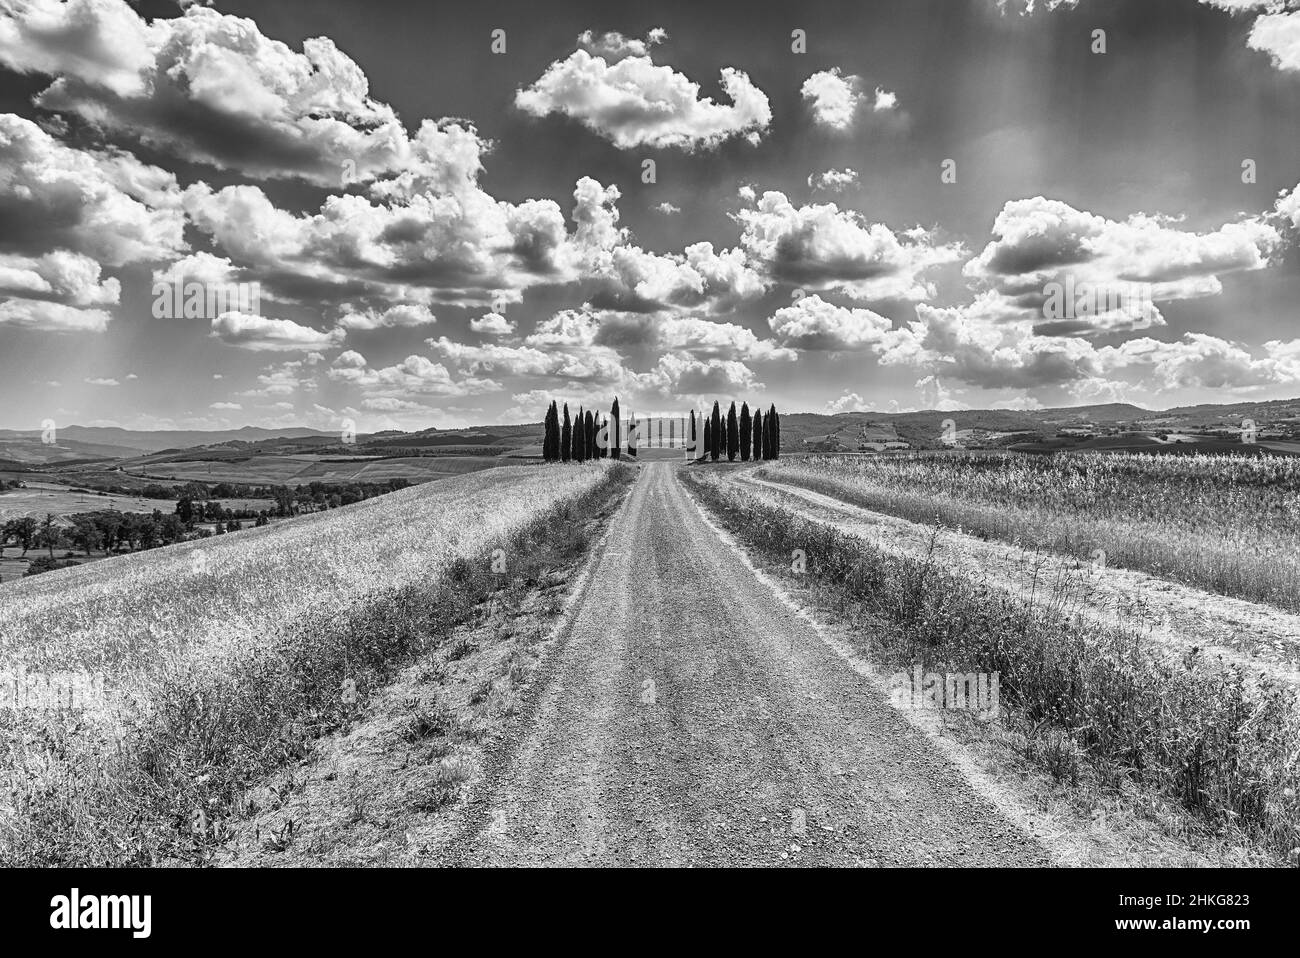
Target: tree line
(749, 437)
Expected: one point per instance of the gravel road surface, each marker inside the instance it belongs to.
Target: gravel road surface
(688, 716)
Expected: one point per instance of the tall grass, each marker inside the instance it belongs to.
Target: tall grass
(152, 782)
(1226, 524)
(1082, 694)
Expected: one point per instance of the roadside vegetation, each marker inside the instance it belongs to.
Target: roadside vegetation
(228, 658)
(1225, 524)
(1085, 701)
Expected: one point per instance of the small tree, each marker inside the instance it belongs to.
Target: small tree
(566, 436)
(693, 438)
(759, 427)
(49, 534)
(579, 438)
(774, 427)
(708, 439)
(733, 434)
(633, 435)
(746, 426)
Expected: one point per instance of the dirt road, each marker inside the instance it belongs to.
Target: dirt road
(688, 716)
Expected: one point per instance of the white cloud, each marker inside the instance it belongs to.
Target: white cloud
(822, 247)
(667, 209)
(634, 103)
(52, 317)
(69, 278)
(403, 316)
(262, 334)
(1278, 35)
(833, 98)
(885, 101)
(491, 324)
(833, 180)
(415, 375)
(1039, 241)
(103, 204)
(814, 324)
(209, 88)
(102, 382)
(103, 42)
(232, 406)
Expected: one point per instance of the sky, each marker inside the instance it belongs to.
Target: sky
(414, 215)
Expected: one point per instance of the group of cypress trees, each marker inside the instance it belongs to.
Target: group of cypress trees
(749, 437)
(574, 440)
(757, 437)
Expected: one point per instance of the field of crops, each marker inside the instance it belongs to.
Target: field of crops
(213, 649)
(1226, 524)
(293, 470)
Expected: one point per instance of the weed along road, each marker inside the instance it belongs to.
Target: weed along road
(688, 716)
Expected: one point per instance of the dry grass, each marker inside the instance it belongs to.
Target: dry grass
(1083, 697)
(230, 670)
(1225, 524)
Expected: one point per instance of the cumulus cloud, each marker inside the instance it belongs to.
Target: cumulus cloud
(262, 334)
(618, 92)
(814, 324)
(1278, 35)
(630, 278)
(1040, 241)
(208, 87)
(415, 375)
(402, 316)
(491, 324)
(60, 276)
(667, 209)
(52, 317)
(413, 245)
(833, 98)
(825, 248)
(103, 204)
(833, 180)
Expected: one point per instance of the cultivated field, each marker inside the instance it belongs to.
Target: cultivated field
(224, 650)
(1225, 524)
(64, 501)
(295, 470)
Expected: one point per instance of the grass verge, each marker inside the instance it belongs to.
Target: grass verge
(1082, 697)
(162, 788)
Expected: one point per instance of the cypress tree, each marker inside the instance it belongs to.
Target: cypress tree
(692, 438)
(633, 434)
(715, 432)
(746, 432)
(708, 439)
(550, 437)
(759, 426)
(566, 436)
(589, 437)
(615, 437)
(733, 433)
(774, 431)
(578, 445)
